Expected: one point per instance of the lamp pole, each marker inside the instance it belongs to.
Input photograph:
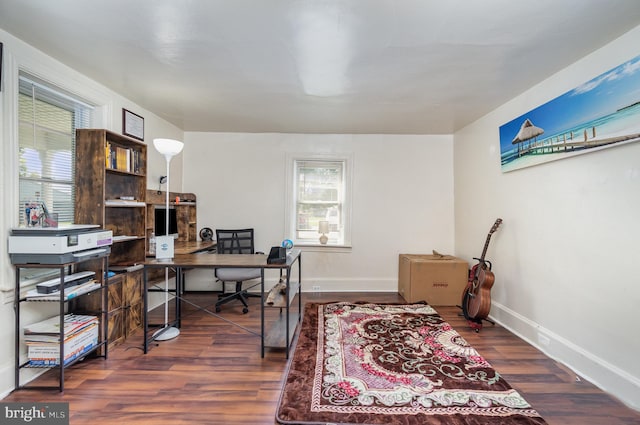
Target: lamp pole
(169, 148)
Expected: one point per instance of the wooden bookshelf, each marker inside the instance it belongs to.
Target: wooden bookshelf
(111, 188)
(186, 211)
(185, 214)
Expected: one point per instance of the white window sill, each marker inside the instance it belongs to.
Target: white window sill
(309, 247)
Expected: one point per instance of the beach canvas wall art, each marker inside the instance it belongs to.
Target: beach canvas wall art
(598, 114)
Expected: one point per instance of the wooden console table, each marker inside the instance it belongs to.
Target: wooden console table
(214, 261)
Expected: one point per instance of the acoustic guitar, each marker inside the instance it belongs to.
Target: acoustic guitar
(476, 299)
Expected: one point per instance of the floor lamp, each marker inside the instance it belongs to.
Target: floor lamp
(169, 148)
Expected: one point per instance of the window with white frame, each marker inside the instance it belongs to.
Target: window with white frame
(319, 199)
(47, 123)
(48, 119)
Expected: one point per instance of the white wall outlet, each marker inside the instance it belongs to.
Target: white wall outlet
(543, 340)
(315, 288)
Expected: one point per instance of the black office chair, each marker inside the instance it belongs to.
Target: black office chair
(238, 241)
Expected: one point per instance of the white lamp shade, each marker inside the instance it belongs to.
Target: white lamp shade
(168, 147)
(323, 226)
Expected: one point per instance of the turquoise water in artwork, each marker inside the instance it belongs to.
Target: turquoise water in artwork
(620, 123)
(608, 105)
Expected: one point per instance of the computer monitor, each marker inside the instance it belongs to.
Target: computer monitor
(160, 223)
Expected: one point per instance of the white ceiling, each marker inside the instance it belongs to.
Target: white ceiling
(319, 66)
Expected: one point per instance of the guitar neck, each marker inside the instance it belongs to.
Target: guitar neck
(486, 243)
(486, 246)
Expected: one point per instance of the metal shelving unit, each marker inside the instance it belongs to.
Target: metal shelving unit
(101, 348)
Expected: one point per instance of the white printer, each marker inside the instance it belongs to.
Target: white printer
(58, 245)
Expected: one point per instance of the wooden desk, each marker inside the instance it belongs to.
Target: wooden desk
(193, 247)
(215, 261)
(183, 247)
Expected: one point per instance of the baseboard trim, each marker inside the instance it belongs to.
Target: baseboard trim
(7, 376)
(199, 280)
(585, 364)
(349, 285)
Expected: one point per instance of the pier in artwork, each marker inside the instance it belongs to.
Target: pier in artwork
(568, 143)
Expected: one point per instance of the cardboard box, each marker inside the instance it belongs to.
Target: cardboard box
(438, 280)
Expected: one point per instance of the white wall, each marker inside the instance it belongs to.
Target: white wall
(19, 55)
(402, 199)
(566, 256)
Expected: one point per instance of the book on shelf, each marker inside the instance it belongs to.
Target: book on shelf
(48, 339)
(111, 156)
(38, 361)
(72, 323)
(123, 159)
(42, 353)
(41, 339)
(107, 155)
(136, 161)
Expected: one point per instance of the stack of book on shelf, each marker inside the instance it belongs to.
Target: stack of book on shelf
(123, 159)
(43, 339)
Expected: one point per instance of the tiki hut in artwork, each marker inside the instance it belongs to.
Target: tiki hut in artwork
(527, 132)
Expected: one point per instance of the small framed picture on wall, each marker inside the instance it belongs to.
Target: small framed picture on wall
(132, 125)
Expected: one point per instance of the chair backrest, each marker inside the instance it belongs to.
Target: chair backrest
(238, 241)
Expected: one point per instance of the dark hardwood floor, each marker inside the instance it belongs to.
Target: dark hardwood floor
(213, 374)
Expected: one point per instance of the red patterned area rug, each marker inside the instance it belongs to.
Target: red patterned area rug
(392, 364)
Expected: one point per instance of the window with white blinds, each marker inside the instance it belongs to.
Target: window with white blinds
(48, 119)
(320, 190)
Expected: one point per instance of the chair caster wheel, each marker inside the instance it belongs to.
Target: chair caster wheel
(217, 309)
(245, 310)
